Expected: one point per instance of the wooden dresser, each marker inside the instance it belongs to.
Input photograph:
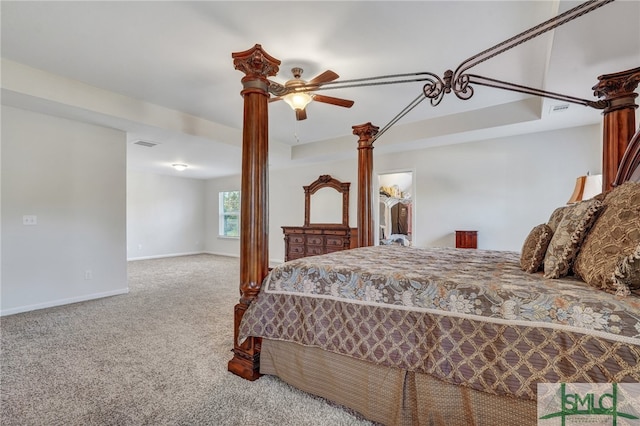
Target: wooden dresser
(302, 241)
(320, 238)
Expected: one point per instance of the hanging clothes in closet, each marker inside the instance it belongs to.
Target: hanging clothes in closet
(400, 219)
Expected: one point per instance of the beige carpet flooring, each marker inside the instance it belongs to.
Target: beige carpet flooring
(156, 356)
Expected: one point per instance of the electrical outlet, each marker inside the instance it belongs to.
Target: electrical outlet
(29, 219)
(88, 274)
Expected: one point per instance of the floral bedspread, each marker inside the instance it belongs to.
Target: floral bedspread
(470, 317)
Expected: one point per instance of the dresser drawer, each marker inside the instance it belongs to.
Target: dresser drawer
(291, 230)
(313, 250)
(332, 249)
(335, 241)
(291, 256)
(315, 240)
(296, 239)
(335, 232)
(296, 249)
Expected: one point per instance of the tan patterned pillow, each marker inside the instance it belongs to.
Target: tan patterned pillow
(556, 217)
(567, 238)
(627, 274)
(535, 247)
(609, 257)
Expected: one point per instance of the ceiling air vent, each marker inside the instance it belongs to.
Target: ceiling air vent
(148, 144)
(559, 108)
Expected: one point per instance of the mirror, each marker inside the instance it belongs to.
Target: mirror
(326, 206)
(330, 202)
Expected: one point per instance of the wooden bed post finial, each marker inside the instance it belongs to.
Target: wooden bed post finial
(618, 90)
(365, 132)
(254, 204)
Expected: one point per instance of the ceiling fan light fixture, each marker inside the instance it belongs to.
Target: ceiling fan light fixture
(179, 167)
(298, 100)
(298, 93)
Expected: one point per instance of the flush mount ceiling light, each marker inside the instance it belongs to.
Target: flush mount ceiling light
(179, 167)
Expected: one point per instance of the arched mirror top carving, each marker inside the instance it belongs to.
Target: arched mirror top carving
(326, 181)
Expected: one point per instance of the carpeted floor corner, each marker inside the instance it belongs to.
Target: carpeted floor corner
(156, 356)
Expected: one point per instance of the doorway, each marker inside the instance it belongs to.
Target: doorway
(395, 212)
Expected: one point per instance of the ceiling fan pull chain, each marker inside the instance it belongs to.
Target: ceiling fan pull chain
(295, 131)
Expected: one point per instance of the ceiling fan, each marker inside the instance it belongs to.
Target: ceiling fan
(298, 92)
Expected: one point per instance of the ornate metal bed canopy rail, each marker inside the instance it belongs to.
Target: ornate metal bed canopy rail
(459, 81)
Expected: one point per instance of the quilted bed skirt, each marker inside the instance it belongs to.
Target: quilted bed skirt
(388, 395)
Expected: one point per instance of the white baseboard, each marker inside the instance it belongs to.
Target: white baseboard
(272, 262)
(160, 256)
(215, 253)
(61, 302)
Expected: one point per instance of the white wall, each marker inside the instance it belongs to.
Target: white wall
(165, 215)
(500, 187)
(213, 242)
(71, 176)
(286, 200)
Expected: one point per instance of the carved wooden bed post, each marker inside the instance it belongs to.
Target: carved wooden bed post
(365, 132)
(619, 119)
(254, 232)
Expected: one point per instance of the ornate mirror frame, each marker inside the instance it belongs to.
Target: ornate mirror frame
(326, 181)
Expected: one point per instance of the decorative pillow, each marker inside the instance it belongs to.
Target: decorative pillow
(567, 238)
(535, 247)
(556, 217)
(610, 255)
(627, 274)
(600, 197)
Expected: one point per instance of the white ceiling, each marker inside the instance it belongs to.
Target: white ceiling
(162, 71)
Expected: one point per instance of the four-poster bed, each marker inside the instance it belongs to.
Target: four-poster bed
(390, 387)
(448, 339)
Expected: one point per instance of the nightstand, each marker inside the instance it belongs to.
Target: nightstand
(467, 239)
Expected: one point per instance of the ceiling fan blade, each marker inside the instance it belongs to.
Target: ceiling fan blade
(301, 114)
(333, 101)
(325, 77)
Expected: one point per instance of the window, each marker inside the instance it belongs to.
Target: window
(229, 214)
